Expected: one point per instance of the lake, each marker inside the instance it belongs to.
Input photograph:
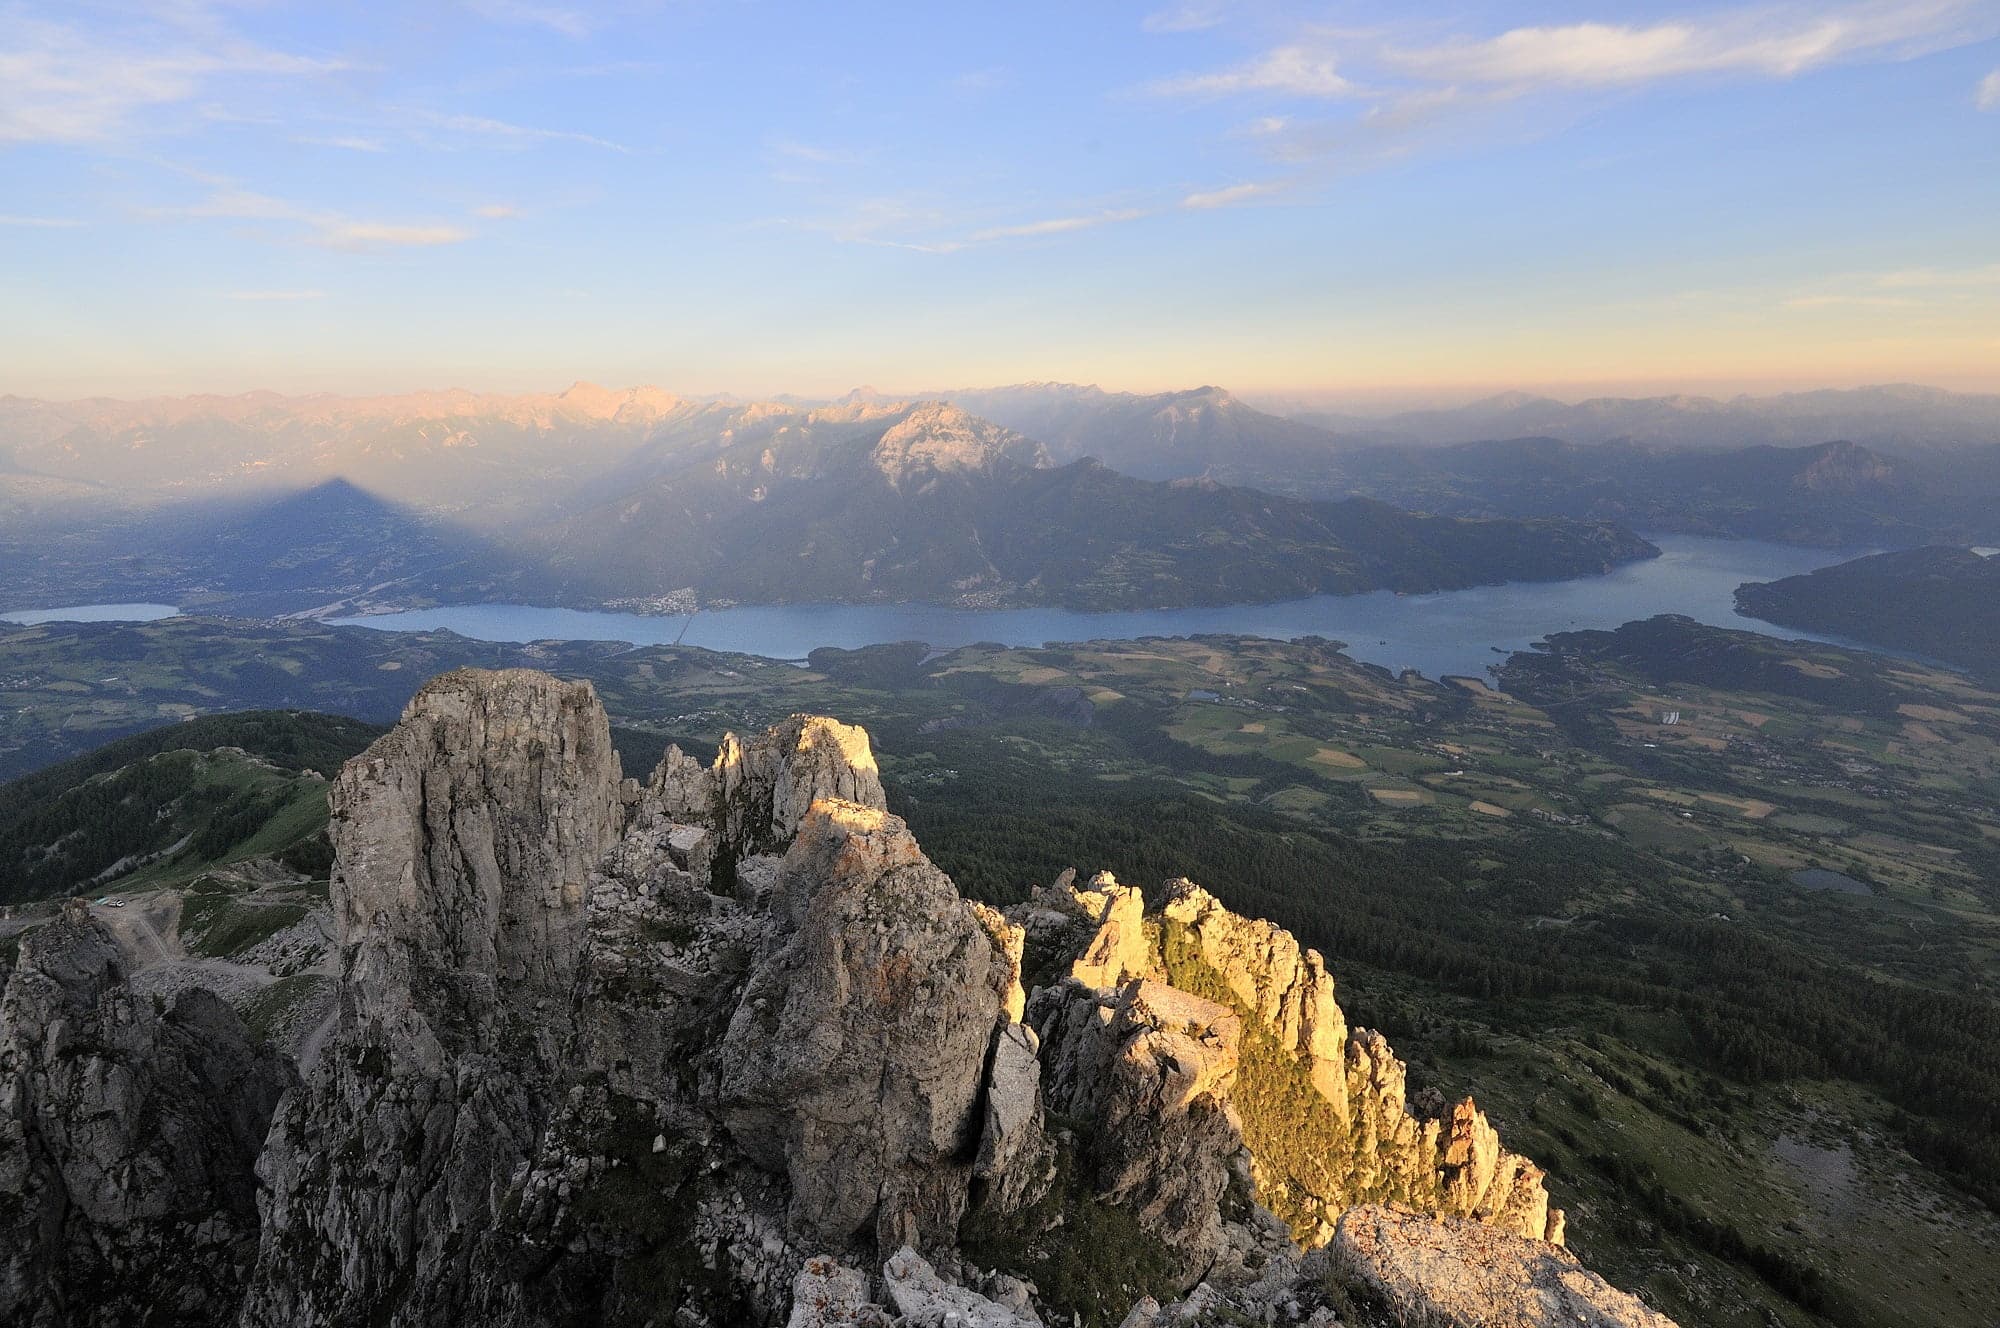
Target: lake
(1449, 632)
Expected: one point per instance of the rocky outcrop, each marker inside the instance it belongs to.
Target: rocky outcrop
(714, 1023)
(925, 1300)
(129, 1131)
(1454, 1273)
(1150, 1068)
(826, 1294)
(1117, 947)
(464, 841)
(759, 790)
(1317, 1118)
(855, 1061)
(698, 1052)
(1484, 1181)
(1282, 984)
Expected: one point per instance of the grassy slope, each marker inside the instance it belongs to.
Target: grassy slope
(162, 806)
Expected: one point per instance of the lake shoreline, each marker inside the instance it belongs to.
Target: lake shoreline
(1462, 632)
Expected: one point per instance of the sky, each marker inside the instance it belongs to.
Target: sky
(1348, 200)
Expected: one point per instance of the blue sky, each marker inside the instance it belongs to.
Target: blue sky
(1375, 200)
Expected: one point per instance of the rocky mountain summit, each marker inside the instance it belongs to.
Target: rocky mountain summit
(724, 1047)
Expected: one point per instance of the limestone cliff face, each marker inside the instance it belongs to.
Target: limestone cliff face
(759, 790)
(1282, 985)
(464, 841)
(854, 1062)
(723, 1047)
(590, 1028)
(1320, 1118)
(128, 1130)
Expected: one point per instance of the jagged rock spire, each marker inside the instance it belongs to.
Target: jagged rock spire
(627, 1054)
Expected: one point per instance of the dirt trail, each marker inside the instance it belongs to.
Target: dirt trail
(137, 932)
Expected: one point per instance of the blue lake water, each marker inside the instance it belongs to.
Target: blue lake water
(1449, 632)
(91, 613)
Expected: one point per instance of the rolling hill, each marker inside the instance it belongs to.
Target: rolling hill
(1941, 602)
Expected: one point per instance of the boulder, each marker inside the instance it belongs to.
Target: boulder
(1456, 1273)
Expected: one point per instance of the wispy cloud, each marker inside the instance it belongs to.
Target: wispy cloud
(1778, 41)
(1189, 16)
(1429, 85)
(345, 142)
(328, 229)
(568, 22)
(1229, 196)
(1057, 225)
(1901, 288)
(60, 84)
(1770, 41)
(40, 223)
(1851, 301)
(1919, 278)
(1987, 96)
(496, 211)
(515, 134)
(272, 296)
(898, 223)
(983, 80)
(335, 234)
(1295, 71)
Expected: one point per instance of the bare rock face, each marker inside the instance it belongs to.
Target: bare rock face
(1013, 1138)
(129, 1133)
(1455, 1273)
(925, 1300)
(759, 790)
(1484, 1181)
(1278, 996)
(827, 1294)
(635, 1052)
(856, 1059)
(1284, 985)
(464, 840)
(694, 1052)
(1117, 949)
(1151, 1068)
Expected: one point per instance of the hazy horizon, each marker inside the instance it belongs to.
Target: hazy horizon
(1288, 199)
(1384, 401)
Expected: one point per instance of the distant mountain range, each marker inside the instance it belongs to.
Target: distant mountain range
(1893, 465)
(1901, 417)
(1166, 435)
(262, 504)
(1833, 494)
(1042, 493)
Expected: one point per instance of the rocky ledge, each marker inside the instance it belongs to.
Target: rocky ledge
(724, 1047)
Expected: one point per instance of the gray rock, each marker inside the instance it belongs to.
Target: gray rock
(1013, 1146)
(465, 839)
(827, 1294)
(129, 1131)
(926, 1300)
(1151, 1069)
(855, 1061)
